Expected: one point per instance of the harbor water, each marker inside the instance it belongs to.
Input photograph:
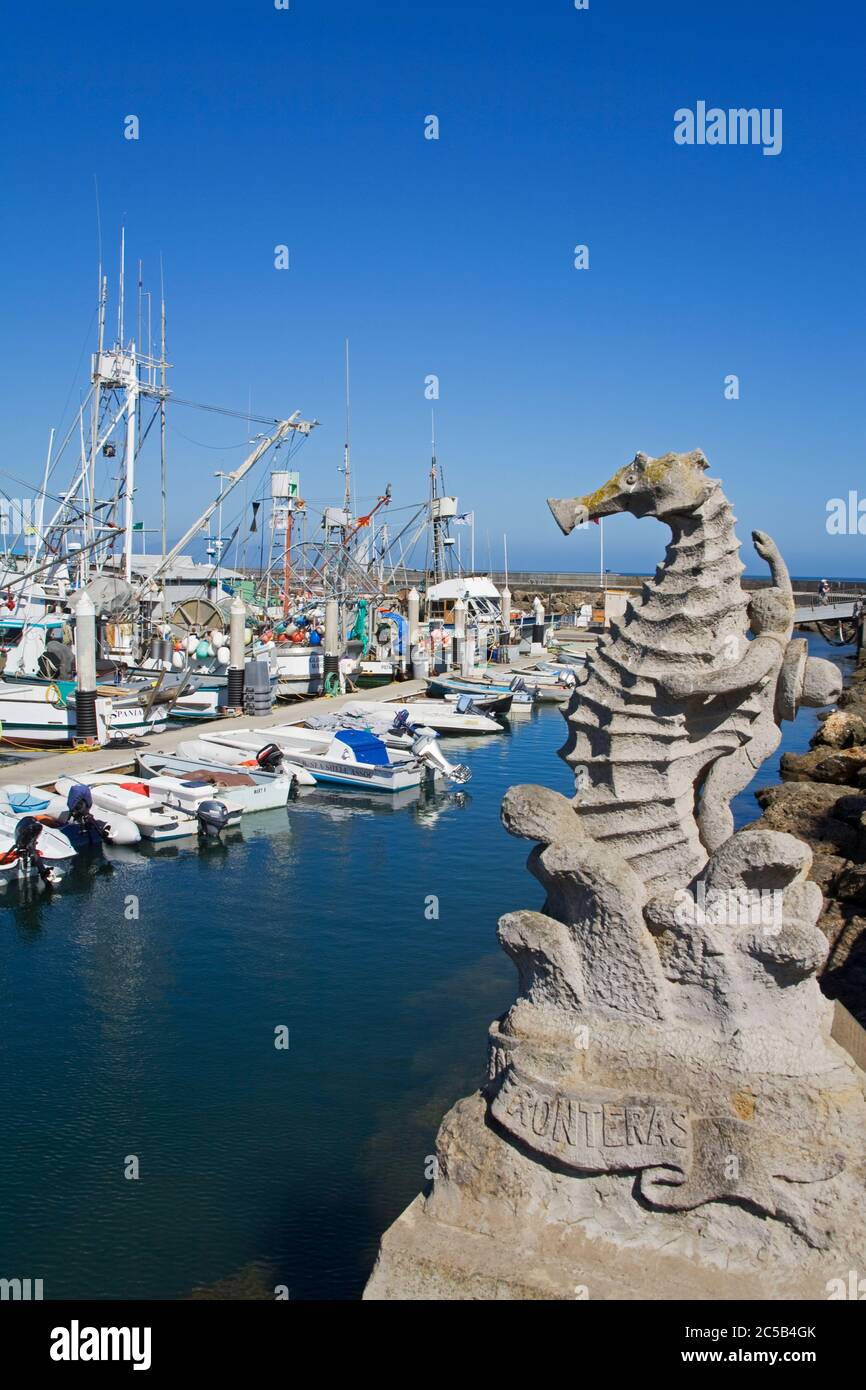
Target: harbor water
(159, 1141)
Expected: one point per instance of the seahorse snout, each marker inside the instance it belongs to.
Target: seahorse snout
(568, 512)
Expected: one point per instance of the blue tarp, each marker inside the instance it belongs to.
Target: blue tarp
(366, 746)
(22, 802)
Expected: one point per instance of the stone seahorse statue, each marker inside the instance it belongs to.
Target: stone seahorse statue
(665, 1107)
(678, 707)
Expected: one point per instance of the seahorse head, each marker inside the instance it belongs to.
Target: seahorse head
(661, 487)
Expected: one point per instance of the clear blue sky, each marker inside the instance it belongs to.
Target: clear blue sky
(455, 257)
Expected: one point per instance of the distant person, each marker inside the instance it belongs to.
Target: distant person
(58, 659)
(824, 589)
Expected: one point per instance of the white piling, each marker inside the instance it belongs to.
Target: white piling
(538, 627)
(237, 626)
(459, 631)
(331, 664)
(505, 603)
(85, 669)
(332, 638)
(414, 604)
(468, 663)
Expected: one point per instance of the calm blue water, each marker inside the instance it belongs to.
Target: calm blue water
(154, 1037)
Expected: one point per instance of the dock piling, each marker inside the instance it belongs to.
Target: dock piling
(332, 639)
(85, 668)
(237, 624)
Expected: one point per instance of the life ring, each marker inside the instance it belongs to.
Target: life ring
(332, 683)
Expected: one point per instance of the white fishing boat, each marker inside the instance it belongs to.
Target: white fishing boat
(41, 716)
(345, 757)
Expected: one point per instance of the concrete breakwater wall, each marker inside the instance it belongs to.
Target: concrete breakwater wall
(822, 800)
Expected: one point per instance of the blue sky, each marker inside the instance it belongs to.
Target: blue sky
(306, 127)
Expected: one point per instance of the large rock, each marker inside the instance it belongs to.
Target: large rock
(843, 767)
(826, 816)
(841, 729)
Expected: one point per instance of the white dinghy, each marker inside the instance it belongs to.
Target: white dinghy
(71, 814)
(187, 779)
(155, 815)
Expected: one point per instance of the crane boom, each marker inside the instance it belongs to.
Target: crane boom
(231, 479)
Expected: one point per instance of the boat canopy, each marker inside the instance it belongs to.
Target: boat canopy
(366, 747)
(467, 586)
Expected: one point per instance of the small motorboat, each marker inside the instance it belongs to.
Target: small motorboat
(571, 656)
(442, 686)
(187, 778)
(460, 715)
(396, 730)
(342, 757)
(480, 701)
(552, 687)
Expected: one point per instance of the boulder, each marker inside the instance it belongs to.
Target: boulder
(843, 767)
(841, 729)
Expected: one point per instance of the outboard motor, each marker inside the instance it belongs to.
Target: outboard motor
(27, 832)
(270, 758)
(426, 748)
(79, 805)
(212, 818)
(465, 705)
(402, 728)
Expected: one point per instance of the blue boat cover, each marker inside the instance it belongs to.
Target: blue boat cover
(366, 746)
(21, 802)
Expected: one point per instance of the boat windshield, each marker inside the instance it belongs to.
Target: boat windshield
(10, 636)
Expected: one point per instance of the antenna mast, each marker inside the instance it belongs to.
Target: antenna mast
(347, 453)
